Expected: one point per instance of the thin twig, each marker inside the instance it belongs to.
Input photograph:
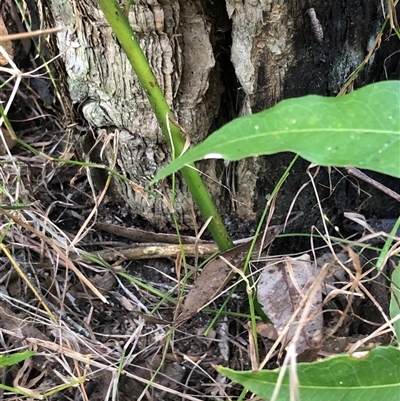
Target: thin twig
(362, 176)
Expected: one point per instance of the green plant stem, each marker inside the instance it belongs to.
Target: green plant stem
(126, 37)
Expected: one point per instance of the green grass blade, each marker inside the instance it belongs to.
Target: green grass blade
(12, 359)
(395, 300)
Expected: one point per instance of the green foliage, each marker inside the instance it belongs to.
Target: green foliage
(13, 359)
(395, 300)
(375, 376)
(394, 308)
(361, 129)
(9, 360)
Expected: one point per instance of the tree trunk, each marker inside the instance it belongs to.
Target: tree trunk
(214, 61)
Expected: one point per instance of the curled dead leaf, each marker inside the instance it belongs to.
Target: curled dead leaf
(5, 44)
(267, 330)
(6, 140)
(281, 290)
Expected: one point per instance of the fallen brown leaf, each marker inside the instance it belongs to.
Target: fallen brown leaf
(217, 273)
(8, 139)
(6, 44)
(280, 291)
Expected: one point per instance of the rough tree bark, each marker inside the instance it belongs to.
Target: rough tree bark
(214, 60)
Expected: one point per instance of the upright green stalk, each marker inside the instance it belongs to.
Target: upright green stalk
(126, 37)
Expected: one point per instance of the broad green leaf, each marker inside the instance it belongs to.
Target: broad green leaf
(375, 376)
(361, 129)
(12, 359)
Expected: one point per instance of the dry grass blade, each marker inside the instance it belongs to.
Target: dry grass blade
(58, 251)
(27, 281)
(26, 35)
